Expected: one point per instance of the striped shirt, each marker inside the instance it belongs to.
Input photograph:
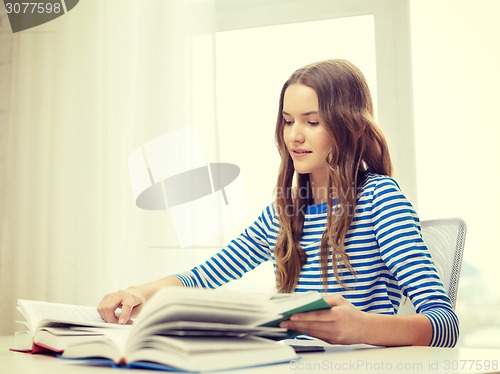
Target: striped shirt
(385, 248)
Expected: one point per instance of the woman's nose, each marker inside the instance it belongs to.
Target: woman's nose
(296, 133)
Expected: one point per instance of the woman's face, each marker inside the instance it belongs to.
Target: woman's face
(306, 137)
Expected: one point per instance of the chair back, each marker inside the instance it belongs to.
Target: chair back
(445, 239)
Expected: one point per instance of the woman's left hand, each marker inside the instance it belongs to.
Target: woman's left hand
(343, 323)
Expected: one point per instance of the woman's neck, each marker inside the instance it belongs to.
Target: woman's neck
(319, 187)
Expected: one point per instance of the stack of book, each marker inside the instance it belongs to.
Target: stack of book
(188, 329)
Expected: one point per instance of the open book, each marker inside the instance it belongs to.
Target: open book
(51, 327)
(194, 329)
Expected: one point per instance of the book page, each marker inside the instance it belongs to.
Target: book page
(182, 312)
(201, 297)
(37, 311)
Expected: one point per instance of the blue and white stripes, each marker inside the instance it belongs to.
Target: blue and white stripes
(385, 248)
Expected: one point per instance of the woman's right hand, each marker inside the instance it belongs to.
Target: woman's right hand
(130, 301)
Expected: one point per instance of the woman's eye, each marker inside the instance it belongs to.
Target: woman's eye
(313, 123)
(287, 123)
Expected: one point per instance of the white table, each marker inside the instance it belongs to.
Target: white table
(376, 360)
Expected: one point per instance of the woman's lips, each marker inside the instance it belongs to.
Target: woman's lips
(300, 152)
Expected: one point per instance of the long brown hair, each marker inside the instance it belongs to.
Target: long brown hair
(358, 147)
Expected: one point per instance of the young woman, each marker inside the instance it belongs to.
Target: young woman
(339, 225)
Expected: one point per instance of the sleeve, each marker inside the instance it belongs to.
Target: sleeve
(241, 255)
(397, 230)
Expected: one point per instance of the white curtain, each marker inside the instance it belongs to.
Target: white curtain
(87, 89)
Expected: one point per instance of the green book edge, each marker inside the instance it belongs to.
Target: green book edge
(314, 305)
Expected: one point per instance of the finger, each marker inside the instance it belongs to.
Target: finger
(109, 314)
(335, 300)
(302, 326)
(107, 308)
(316, 329)
(136, 310)
(316, 315)
(125, 314)
(100, 310)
